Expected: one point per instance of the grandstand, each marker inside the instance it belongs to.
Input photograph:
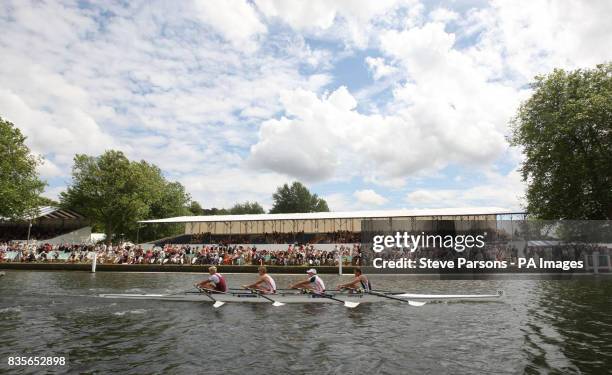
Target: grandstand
(313, 227)
(52, 225)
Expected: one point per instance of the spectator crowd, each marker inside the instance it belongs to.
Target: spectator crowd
(293, 255)
(339, 237)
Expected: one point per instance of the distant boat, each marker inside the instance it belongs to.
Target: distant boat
(1, 273)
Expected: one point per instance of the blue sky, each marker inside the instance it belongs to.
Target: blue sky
(373, 105)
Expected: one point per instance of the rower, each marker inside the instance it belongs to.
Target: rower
(264, 284)
(313, 282)
(215, 281)
(360, 282)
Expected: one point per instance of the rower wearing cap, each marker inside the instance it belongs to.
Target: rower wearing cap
(264, 284)
(215, 281)
(359, 282)
(313, 282)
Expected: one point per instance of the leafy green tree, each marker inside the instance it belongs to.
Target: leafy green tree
(565, 130)
(116, 193)
(44, 201)
(166, 199)
(196, 209)
(20, 186)
(246, 208)
(296, 198)
(215, 211)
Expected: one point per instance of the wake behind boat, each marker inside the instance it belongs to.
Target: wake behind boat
(292, 296)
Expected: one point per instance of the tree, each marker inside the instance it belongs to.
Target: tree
(196, 209)
(44, 201)
(565, 130)
(170, 200)
(296, 198)
(215, 211)
(116, 193)
(246, 208)
(20, 186)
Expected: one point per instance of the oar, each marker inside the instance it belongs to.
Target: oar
(216, 303)
(274, 303)
(183, 291)
(349, 304)
(411, 303)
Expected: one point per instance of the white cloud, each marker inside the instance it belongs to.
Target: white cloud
(352, 20)
(369, 197)
(327, 137)
(379, 68)
(338, 202)
(498, 190)
(235, 20)
(48, 169)
(67, 130)
(222, 187)
(237, 89)
(534, 37)
(151, 81)
(443, 15)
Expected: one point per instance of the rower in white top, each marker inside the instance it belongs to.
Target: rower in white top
(360, 283)
(313, 282)
(264, 284)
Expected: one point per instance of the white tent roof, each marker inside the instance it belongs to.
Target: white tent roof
(343, 215)
(51, 212)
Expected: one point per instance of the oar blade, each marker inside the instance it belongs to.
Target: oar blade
(416, 303)
(278, 304)
(351, 305)
(218, 304)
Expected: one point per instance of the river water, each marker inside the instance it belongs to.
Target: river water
(541, 326)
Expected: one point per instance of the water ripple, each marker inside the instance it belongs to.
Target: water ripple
(540, 327)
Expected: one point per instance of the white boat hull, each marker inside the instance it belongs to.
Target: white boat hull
(303, 298)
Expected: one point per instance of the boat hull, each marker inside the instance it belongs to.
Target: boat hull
(300, 297)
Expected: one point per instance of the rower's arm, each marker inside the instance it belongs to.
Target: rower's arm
(301, 284)
(351, 284)
(254, 285)
(206, 284)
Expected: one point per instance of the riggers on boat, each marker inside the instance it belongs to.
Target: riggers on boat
(350, 299)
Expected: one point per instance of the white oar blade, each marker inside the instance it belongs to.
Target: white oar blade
(277, 304)
(351, 305)
(416, 303)
(218, 304)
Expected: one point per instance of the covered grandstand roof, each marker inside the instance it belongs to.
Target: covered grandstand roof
(463, 211)
(51, 212)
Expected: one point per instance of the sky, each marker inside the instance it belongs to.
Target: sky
(372, 104)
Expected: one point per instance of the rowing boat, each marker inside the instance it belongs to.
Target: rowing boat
(299, 297)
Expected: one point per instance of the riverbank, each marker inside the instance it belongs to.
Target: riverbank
(175, 268)
(166, 268)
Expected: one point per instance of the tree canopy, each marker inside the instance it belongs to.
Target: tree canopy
(246, 208)
(296, 198)
(195, 208)
(565, 130)
(115, 193)
(20, 186)
(238, 209)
